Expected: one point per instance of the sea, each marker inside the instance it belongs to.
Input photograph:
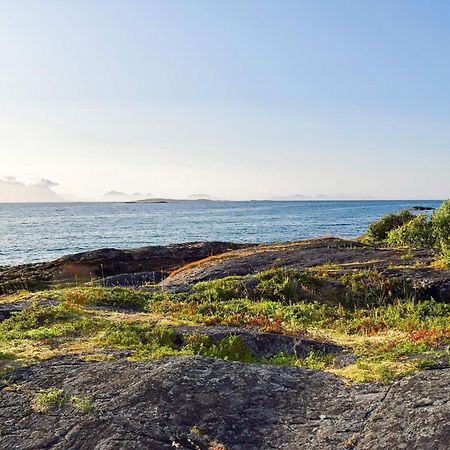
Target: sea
(31, 232)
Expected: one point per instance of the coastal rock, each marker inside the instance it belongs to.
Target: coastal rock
(9, 308)
(413, 415)
(131, 279)
(202, 403)
(425, 282)
(103, 263)
(407, 268)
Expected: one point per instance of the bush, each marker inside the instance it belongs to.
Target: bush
(117, 296)
(231, 348)
(282, 285)
(378, 231)
(222, 289)
(418, 232)
(445, 257)
(440, 221)
(408, 230)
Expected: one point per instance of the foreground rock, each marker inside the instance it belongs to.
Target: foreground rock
(153, 263)
(414, 415)
(201, 403)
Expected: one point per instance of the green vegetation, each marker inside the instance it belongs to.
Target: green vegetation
(384, 329)
(389, 334)
(116, 296)
(378, 231)
(45, 399)
(418, 232)
(414, 231)
(314, 360)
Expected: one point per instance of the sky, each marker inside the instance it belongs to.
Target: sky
(238, 99)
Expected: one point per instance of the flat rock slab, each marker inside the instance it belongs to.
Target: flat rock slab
(415, 414)
(261, 345)
(189, 402)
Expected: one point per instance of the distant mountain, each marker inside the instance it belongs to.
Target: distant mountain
(200, 197)
(12, 191)
(117, 196)
(321, 197)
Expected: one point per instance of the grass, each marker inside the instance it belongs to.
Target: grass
(390, 336)
(45, 399)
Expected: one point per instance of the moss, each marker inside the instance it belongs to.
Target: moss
(314, 360)
(45, 399)
(82, 404)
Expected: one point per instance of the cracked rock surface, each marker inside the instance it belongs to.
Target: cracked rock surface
(198, 402)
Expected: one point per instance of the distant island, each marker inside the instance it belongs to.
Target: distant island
(171, 200)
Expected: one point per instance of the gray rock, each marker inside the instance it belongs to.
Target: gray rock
(344, 359)
(130, 279)
(414, 414)
(10, 308)
(86, 266)
(188, 402)
(425, 282)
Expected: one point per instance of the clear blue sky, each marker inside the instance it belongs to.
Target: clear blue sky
(237, 99)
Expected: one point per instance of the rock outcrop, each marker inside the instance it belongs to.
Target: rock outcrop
(409, 268)
(203, 403)
(155, 261)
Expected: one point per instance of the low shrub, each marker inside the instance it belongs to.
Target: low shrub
(418, 232)
(282, 285)
(440, 221)
(116, 296)
(223, 289)
(378, 231)
(231, 348)
(138, 336)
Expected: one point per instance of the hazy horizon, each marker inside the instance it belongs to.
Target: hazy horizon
(238, 100)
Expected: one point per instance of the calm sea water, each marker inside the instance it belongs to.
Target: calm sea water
(39, 232)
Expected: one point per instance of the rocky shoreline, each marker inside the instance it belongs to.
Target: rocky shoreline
(179, 266)
(149, 264)
(238, 382)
